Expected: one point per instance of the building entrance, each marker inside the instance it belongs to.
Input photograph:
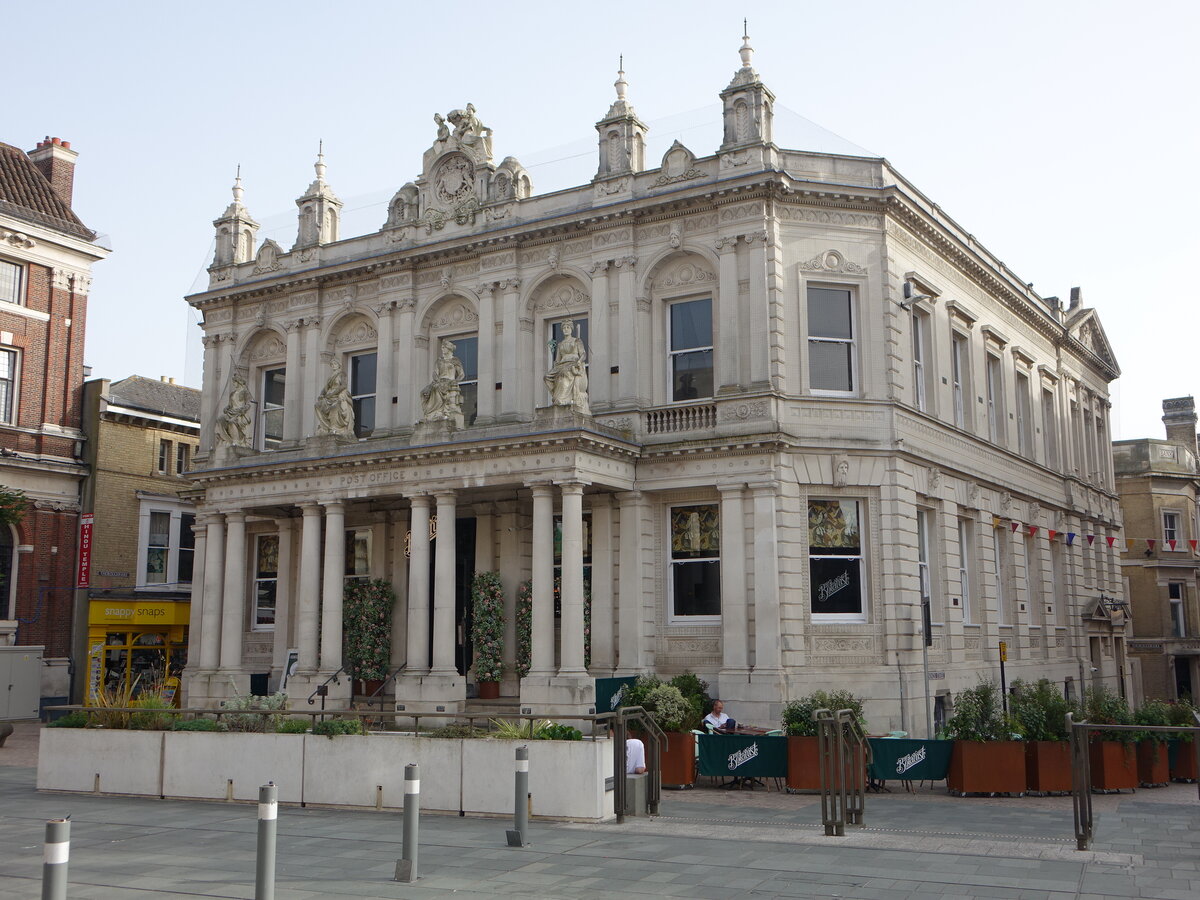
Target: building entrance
(464, 571)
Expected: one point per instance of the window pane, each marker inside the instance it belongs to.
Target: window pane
(264, 602)
(470, 402)
(358, 554)
(833, 528)
(364, 416)
(8, 374)
(156, 565)
(836, 585)
(692, 376)
(160, 529)
(273, 387)
(691, 324)
(695, 532)
(267, 560)
(697, 588)
(830, 366)
(10, 282)
(829, 313)
(362, 374)
(272, 408)
(467, 350)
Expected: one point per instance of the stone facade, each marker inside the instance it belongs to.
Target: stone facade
(1159, 485)
(811, 394)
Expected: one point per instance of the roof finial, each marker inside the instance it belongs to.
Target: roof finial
(746, 50)
(237, 185)
(320, 163)
(621, 84)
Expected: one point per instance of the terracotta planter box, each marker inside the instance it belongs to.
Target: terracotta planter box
(1153, 770)
(991, 767)
(1048, 766)
(1183, 761)
(679, 760)
(1114, 766)
(489, 690)
(803, 763)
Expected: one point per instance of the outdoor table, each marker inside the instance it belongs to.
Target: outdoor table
(744, 756)
(906, 759)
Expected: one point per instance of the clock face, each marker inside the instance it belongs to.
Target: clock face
(454, 179)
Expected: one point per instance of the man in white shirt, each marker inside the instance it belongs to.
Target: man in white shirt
(635, 757)
(717, 720)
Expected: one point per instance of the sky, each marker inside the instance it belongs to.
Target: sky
(1061, 133)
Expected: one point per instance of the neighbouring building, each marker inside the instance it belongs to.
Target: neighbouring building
(1159, 485)
(46, 257)
(795, 399)
(133, 618)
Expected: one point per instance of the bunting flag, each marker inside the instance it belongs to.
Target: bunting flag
(1111, 540)
(1033, 530)
(1171, 543)
(1091, 537)
(1050, 533)
(1070, 538)
(1129, 545)
(1150, 542)
(1192, 543)
(1015, 526)
(995, 521)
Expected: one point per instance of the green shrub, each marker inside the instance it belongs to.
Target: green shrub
(1104, 707)
(1040, 710)
(74, 719)
(154, 719)
(797, 716)
(556, 731)
(250, 721)
(668, 708)
(636, 693)
(487, 626)
(458, 731)
(331, 727)
(979, 715)
(695, 692)
(515, 729)
(1180, 713)
(199, 725)
(367, 628)
(524, 627)
(292, 726)
(1156, 713)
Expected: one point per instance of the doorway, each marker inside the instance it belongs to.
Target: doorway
(1183, 677)
(464, 572)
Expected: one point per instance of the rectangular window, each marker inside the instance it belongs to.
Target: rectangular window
(1049, 429)
(266, 580)
(1175, 595)
(1170, 528)
(158, 548)
(8, 385)
(995, 400)
(164, 456)
(1000, 557)
(10, 282)
(831, 337)
(919, 352)
(362, 392)
(1024, 419)
(691, 350)
(358, 555)
(271, 426)
(835, 560)
(695, 562)
(187, 548)
(467, 350)
(181, 458)
(924, 571)
(1059, 587)
(960, 368)
(965, 554)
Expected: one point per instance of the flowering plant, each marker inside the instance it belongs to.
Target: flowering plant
(367, 628)
(524, 627)
(487, 626)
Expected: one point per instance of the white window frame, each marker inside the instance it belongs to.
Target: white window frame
(1178, 614)
(356, 399)
(182, 455)
(863, 575)
(9, 416)
(1050, 428)
(926, 528)
(467, 380)
(855, 376)
(176, 510)
(263, 410)
(920, 346)
(960, 369)
(965, 557)
(672, 617)
(1171, 520)
(994, 378)
(165, 457)
(1024, 414)
(669, 307)
(19, 294)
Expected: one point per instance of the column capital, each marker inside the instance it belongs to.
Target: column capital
(483, 509)
(600, 267)
(381, 309)
(540, 488)
(333, 506)
(488, 287)
(511, 284)
(572, 487)
(725, 243)
(735, 489)
(310, 508)
(626, 262)
(284, 523)
(600, 501)
(630, 498)
(445, 495)
(419, 500)
(236, 515)
(763, 487)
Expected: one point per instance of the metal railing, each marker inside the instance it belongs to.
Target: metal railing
(844, 754)
(619, 721)
(322, 689)
(378, 692)
(1081, 766)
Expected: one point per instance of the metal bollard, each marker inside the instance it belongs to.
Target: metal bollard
(268, 818)
(516, 836)
(54, 859)
(406, 865)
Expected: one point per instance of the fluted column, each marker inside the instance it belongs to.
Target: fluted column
(214, 588)
(443, 587)
(767, 644)
(760, 335)
(510, 395)
(398, 525)
(627, 313)
(735, 640)
(599, 382)
(293, 395)
(571, 655)
(332, 585)
(487, 354)
(728, 355)
(629, 639)
(285, 608)
(602, 586)
(385, 369)
(233, 613)
(196, 606)
(542, 654)
(310, 586)
(308, 384)
(418, 585)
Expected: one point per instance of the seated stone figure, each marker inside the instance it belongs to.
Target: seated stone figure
(335, 408)
(441, 399)
(567, 379)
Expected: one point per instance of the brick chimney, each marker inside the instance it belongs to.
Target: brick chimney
(56, 161)
(1179, 415)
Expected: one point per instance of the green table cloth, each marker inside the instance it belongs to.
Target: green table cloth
(905, 759)
(743, 755)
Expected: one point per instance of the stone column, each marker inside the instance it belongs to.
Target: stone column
(293, 394)
(443, 587)
(398, 526)
(284, 605)
(487, 354)
(332, 585)
(310, 586)
(510, 577)
(735, 641)
(599, 382)
(485, 554)
(728, 357)
(418, 585)
(233, 613)
(602, 586)
(542, 656)
(214, 586)
(627, 313)
(385, 370)
(629, 598)
(510, 396)
(211, 395)
(196, 606)
(767, 642)
(309, 383)
(571, 654)
(406, 377)
(760, 336)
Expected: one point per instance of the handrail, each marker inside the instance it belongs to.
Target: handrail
(843, 768)
(317, 690)
(378, 692)
(857, 761)
(621, 718)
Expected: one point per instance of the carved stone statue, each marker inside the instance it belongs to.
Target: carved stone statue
(233, 425)
(471, 134)
(567, 379)
(441, 399)
(334, 407)
(443, 132)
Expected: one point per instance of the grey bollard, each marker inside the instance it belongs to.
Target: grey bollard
(406, 865)
(516, 837)
(268, 818)
(54, 859)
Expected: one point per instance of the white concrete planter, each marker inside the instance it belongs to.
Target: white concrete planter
(115, 762)
(232, 765)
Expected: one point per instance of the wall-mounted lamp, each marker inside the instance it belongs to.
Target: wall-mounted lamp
(911, 296)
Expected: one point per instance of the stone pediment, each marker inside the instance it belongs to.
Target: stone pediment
(1088, 331)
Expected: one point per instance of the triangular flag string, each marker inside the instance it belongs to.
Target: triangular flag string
(1050, 533)
(1090, 538)
(1070, 538)
(1111, 540)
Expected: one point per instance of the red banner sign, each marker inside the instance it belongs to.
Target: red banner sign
(85, 550)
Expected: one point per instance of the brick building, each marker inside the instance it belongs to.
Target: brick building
(46, 256)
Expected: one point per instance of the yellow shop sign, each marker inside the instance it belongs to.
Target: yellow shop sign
(133, 612)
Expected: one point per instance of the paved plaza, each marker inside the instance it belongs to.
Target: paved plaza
(707, 843)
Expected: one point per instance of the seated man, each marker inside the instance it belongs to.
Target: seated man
(635, 757)
(717, 720)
